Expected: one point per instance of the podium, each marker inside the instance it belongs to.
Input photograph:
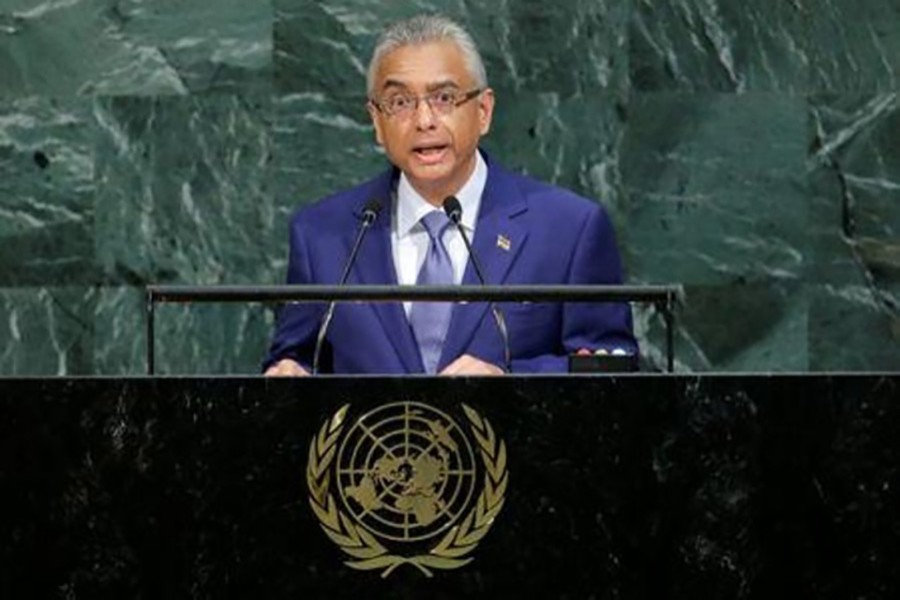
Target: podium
(632, 486)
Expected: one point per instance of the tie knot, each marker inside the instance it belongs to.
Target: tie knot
(435, 223)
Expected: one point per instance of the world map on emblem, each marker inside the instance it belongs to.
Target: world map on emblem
(406, 471)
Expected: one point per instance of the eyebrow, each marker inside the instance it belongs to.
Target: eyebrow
(447, 83)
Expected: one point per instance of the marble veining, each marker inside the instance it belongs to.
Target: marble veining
(747, 151)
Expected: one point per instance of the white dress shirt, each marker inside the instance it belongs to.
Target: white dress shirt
(409, 239)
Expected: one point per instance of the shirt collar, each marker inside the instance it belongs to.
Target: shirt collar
(411, 207)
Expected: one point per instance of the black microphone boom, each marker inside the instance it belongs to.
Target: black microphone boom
(369, 214)
(453, 210)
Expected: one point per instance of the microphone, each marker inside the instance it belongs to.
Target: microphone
(369, 214)
(453, 210)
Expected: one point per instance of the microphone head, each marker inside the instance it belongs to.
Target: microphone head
(452, 209)
(371, 210)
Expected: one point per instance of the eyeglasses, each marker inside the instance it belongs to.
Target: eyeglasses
(443, 102)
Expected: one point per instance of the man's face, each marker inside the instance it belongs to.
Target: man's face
(435, 150)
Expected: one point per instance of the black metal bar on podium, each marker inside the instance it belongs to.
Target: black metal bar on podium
(663, 297)
(151, 333)
(668, 314)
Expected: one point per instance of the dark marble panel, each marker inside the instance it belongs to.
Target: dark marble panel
(46, 331)
(853, 328)
(76, 47)
(211, 338)
(855, 175)
(855, 169)
(573, 142)
(188, 338)
(720, 45)
(800, 46)
(225, 45)
(527, 45)
(632, 487)
(322, 145)
(46, 192)
(184, 191)
(854, 45)
(134, 47)
(315, 51)
(832, 252)
(716, 187)
(745, 326)
(573, 48)
(120, 341)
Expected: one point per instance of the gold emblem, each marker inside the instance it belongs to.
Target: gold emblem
(404, 485)
(503, 242)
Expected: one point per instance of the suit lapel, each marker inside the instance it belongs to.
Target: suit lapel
(375, 266)
(499, 237)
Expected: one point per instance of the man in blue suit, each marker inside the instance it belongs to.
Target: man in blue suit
(430, 105)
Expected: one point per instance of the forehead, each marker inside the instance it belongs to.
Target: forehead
(419, 66)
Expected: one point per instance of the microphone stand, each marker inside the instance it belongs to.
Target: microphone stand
(370, 213)
(454, 212)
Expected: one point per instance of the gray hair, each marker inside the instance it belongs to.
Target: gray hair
(423, 29)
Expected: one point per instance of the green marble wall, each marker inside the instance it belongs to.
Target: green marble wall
(747, 150)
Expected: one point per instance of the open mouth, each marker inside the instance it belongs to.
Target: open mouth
(430, 152)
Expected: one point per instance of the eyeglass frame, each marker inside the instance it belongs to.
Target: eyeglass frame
(466, 96)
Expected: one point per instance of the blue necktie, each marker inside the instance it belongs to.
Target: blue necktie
(430, 320)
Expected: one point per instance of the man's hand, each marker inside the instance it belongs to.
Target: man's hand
(286, 367)
(469, 365)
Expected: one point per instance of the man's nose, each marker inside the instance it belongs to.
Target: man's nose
(425, 115)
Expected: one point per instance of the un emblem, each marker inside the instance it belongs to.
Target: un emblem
(404, 485)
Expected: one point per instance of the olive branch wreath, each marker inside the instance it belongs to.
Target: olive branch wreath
(369, 554)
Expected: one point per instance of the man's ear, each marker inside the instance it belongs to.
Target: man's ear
(376, 122)
(486, 110)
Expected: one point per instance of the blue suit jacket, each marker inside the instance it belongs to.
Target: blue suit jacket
(555, 237)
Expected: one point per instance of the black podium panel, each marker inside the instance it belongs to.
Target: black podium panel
(615, 487)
